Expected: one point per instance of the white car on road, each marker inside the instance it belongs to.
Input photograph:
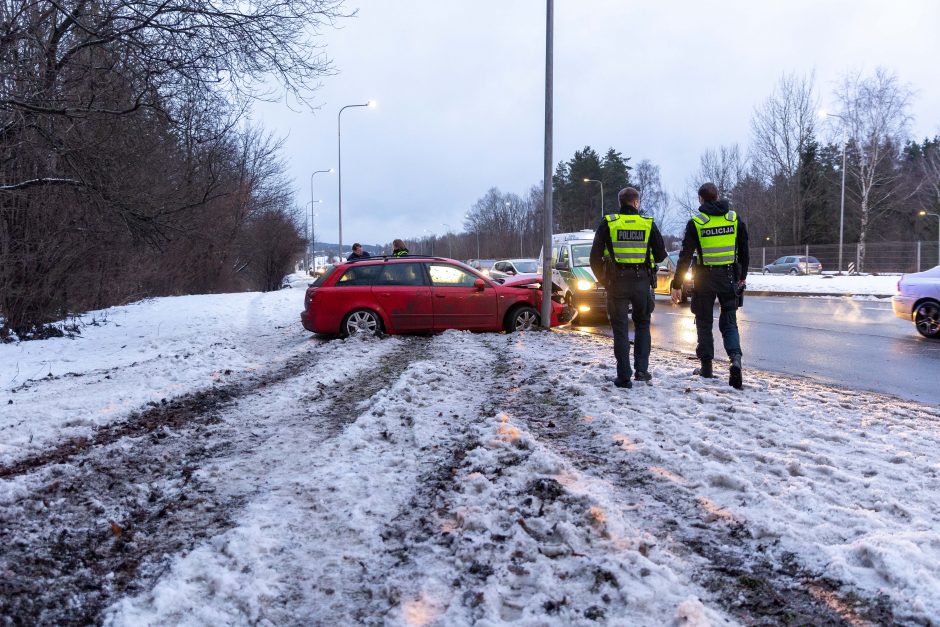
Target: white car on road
(918, 300)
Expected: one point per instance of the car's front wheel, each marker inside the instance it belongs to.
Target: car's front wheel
(361, 322)
(927, 319)
(522, 319)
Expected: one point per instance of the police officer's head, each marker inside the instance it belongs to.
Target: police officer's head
(708, 192)
(629, 197)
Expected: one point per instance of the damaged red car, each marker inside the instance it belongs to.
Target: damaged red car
(421, 295)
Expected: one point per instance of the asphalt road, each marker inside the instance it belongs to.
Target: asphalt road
(850, 343)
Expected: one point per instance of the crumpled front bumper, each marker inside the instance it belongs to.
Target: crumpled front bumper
(567, 314)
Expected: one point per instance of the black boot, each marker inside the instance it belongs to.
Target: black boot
(734, 378)
(705, 370)
(646, 377)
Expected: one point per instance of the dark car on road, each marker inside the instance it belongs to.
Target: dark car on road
(794, 264)
(667, 269)
(417, 294)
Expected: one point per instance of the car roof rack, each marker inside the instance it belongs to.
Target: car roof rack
(393, 257)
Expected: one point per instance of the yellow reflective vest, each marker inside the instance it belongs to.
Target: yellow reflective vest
(717, 236)
(629, 237)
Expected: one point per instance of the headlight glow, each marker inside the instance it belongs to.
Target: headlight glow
(688, 275)
(584, 308)
(585, 285)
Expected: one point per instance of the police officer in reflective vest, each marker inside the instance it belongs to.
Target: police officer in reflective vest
(720, 238)
(626, 245)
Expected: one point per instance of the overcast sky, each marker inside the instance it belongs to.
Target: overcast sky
(460, 92)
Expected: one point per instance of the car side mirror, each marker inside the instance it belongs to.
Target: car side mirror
(479, 284)
(561, 265)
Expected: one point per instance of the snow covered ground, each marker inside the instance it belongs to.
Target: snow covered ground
(203, 460)
(881, 285)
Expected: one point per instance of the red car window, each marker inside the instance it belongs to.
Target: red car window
(445, 275)
(358, 276)
(401, 274)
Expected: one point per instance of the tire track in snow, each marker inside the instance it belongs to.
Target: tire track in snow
(101, 517)
(747, 577)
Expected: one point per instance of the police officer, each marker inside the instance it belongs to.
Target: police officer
(720, 238)
(626, 245)
(399, 249)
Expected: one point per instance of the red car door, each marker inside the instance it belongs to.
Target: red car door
(458, 303)
(401, 290)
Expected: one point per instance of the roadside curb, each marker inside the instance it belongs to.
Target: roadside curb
(826, 294)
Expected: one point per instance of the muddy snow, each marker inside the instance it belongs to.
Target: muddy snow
(203, 460)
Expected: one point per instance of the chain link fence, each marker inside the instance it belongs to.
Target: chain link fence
(887, 257)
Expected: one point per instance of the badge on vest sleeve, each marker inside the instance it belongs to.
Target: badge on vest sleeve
(630, 235)
(718, 230)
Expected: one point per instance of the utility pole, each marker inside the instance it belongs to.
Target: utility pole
(547, 172)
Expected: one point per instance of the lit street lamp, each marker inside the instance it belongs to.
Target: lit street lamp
(339, 163)
(824, 113)
(602, 193)
(923, 213)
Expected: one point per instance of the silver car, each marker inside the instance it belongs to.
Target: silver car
(513, 267)
(918, 300)
(794, 264)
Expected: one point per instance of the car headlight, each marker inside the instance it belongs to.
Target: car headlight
(585, 285)
(688, 275)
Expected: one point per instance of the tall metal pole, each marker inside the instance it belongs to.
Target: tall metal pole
(547, 172)
(842, 203)
(314, 239)
(339, 165)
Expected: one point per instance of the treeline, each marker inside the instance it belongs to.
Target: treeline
(124, 171)
(505, 224)
(788, 183)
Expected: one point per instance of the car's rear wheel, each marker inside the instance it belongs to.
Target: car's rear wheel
(522, 319)
(361, 322)
(927, 319)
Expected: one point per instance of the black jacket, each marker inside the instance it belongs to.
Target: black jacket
(690, 243)
(602, 245)
(353, 256)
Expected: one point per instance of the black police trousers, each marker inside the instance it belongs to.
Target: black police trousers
(715, 283)
(628, 287)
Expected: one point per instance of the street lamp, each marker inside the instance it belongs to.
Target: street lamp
(602, 192)
(450, 241)
(477, 231)
(330, 171)
(339, 162)
(923, 213)
(823, 113)
(431, 237)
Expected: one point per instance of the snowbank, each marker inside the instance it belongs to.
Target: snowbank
(881, 285)
(483, 478)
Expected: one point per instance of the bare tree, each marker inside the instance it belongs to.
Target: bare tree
(654, 202)
(723, 166)
(782, 127)
(875, 111)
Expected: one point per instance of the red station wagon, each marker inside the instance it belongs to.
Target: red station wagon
(419, 295)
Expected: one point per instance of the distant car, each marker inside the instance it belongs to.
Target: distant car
(794, 264)
(485, 266)
(918, 300)
(418, 294)
(514, 267)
